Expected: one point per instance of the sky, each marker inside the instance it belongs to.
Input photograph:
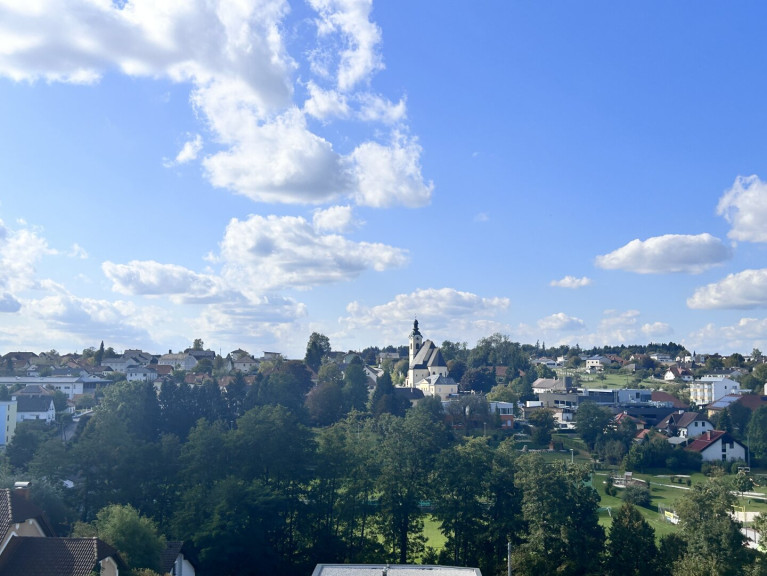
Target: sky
(249, 172)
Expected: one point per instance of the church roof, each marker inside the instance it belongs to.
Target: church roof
(428, 356)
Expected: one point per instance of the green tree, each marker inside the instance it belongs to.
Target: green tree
(631, 549)
(559, 509)
(757, 432)
(408, 448)
(591, 421)
(198, 344)
(355, 388)
(135, 537)
(325, 403)
(99, 355)
(713, 538)
(543, 423)
(316, 349)
(460, 500)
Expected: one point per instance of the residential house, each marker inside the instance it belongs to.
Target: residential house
(505, 411)
(39, 408)
(750, 401)
(544, 361)
(662, 357)
(70, 385)
(718, 445)
(7, 421)
(28, 556)
(678, 373)
(245, 363)
(545, 385)
(685, 424)
(393, 356)
(661, 397)
(425, 358)
(174, 562)
(177, 361)
(597, 363)
(723, 373)
(140, 374)
(709, 389)
(438, 386)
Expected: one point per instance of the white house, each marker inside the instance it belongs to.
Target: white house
(597, 363)
(35, 408)
(7, 421)
(685, 424)
(717, 445)
(707, 390)
(140, 374)
(178, 361)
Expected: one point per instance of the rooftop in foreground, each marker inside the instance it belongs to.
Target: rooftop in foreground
(393, 569)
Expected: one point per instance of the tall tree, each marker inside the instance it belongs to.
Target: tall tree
(560, 511)
(631, 549)
(316, 349)
(591, 422)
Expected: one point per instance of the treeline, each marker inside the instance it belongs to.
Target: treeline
(252, 489)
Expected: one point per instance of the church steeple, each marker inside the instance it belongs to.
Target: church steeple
(415, 341)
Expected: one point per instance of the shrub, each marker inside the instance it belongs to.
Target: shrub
(637, 494)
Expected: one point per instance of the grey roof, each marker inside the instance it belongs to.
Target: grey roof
(428, 356)
(34, 403)
(29, 556)
(398, 569)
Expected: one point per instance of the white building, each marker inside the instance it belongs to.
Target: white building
(717, 445)
(438, 385)
(425, 359)
(707, 390)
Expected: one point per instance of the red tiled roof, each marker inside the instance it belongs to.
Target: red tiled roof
(705, 440)
(660, 396)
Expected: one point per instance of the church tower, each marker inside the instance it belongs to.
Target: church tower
(416, 340)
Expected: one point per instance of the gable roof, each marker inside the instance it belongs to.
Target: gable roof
(16, 508)
(428, 356)
(29, 556)
(34, 404)
(681, 419)
(706, 440)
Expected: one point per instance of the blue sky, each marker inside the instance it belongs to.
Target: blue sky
(247, 173)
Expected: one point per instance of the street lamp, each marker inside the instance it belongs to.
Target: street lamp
(572, 456)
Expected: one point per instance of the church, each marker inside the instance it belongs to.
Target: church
(427, 370)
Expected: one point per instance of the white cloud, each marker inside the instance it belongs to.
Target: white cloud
(743, 336)
(333, 219)
(189, 152)
(746, 289)
(243, 79)
(667, 254)
(390, 175)
(149, 278)
(561, 322)
(656, 330)
(571, 282)
(323, 104)
(351, 39)
(78, 252)
(262, 254)
(20, 251)
(444, 314)
(745, 207)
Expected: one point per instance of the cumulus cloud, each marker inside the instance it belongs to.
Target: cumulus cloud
(561, 322)
(350, 41)
(571, 282)
(667, 254)
(262, 254)
(442, 312)
(189, 151)
(743, 336)
(746, 289)
(387, 175)
(656, 329)
(20, 251)
(744, 206)
(333, 219)
(149, 278)
(234, 57)
(78, 252)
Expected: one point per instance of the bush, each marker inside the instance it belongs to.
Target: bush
(637, 494)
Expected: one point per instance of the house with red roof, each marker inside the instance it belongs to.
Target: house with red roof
(718, 445)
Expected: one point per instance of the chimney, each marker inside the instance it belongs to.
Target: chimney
(22, 488)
